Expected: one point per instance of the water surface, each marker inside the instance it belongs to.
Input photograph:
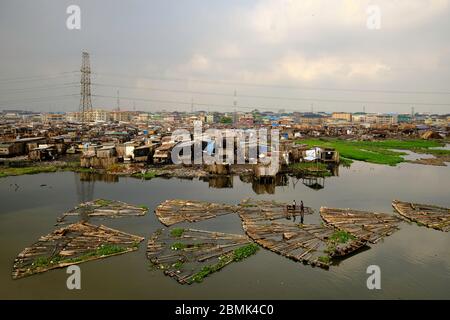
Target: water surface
(414, 261)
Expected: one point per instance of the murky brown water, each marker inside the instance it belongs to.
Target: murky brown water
(415, 261)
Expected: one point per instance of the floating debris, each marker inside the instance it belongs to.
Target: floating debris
(366, 226)
(175, 211)
(428, 215)
(189, 255)
(105, 208)
(316, 245)
(73, 244)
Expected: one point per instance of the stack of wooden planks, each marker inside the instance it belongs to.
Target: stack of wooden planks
(171, 212)
(431, 216)
(317, 245)
(366, 226)
(189, 255)
(104, 208)
(73, 244)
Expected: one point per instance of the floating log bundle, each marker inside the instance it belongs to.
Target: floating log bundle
(189, 255)
(73, 244)
(171, 212)
(104, 208)
(271, 210)
(366, 226)
(431, 216)
(317, 245)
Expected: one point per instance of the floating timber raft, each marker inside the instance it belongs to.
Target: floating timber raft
(104, 208)
(73, 244)
(266, 223)
(271, 210)
(189, 255)
(366, 226)
(171, 212)
(431, 216)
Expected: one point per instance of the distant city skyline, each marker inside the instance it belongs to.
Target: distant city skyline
(267, 55)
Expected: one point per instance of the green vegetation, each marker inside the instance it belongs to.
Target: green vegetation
(11, 171)
(237, 255)
(226, 120)
(35, 169)
(379, 152)
(310, 168)
(245, 251)
(146, 176)
(178, 264)
(103, 250)
(341, 236)
(434, 152)
(178, 246)
(345, 162)
(324, 259)
(176, 232)
(338, 237)
(143, 207)
(102, 202)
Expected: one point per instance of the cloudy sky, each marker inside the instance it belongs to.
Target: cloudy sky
(268, 54)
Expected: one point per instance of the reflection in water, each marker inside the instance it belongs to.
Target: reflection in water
(220, 182)
(31, 212)
(268, 187)
(90, 176)
(85, 192)
(85, 183)
(315, 183)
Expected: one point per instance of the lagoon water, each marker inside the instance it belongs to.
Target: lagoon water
(414, 261)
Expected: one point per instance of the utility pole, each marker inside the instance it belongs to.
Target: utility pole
(85, 93)
(235, 108)
(118, 100)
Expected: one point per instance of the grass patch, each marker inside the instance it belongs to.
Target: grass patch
(103, 202)
(342, 236)
(345, 162)
(13, 171)
(178, 246)
(324, 259)
(245, 251)
(176, 232)
(103, 250)
(237, 255)
(379, 152)
(146, 176)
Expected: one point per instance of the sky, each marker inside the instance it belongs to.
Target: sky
(310, 55)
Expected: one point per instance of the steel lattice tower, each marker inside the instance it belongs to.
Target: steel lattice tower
(85, 99)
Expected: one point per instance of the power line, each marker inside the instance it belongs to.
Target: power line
(235, 83)
(313, 99)
(41, 77)
(39, 99)
(62, 86)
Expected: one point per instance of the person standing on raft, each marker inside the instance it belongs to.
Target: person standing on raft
(302, 211)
